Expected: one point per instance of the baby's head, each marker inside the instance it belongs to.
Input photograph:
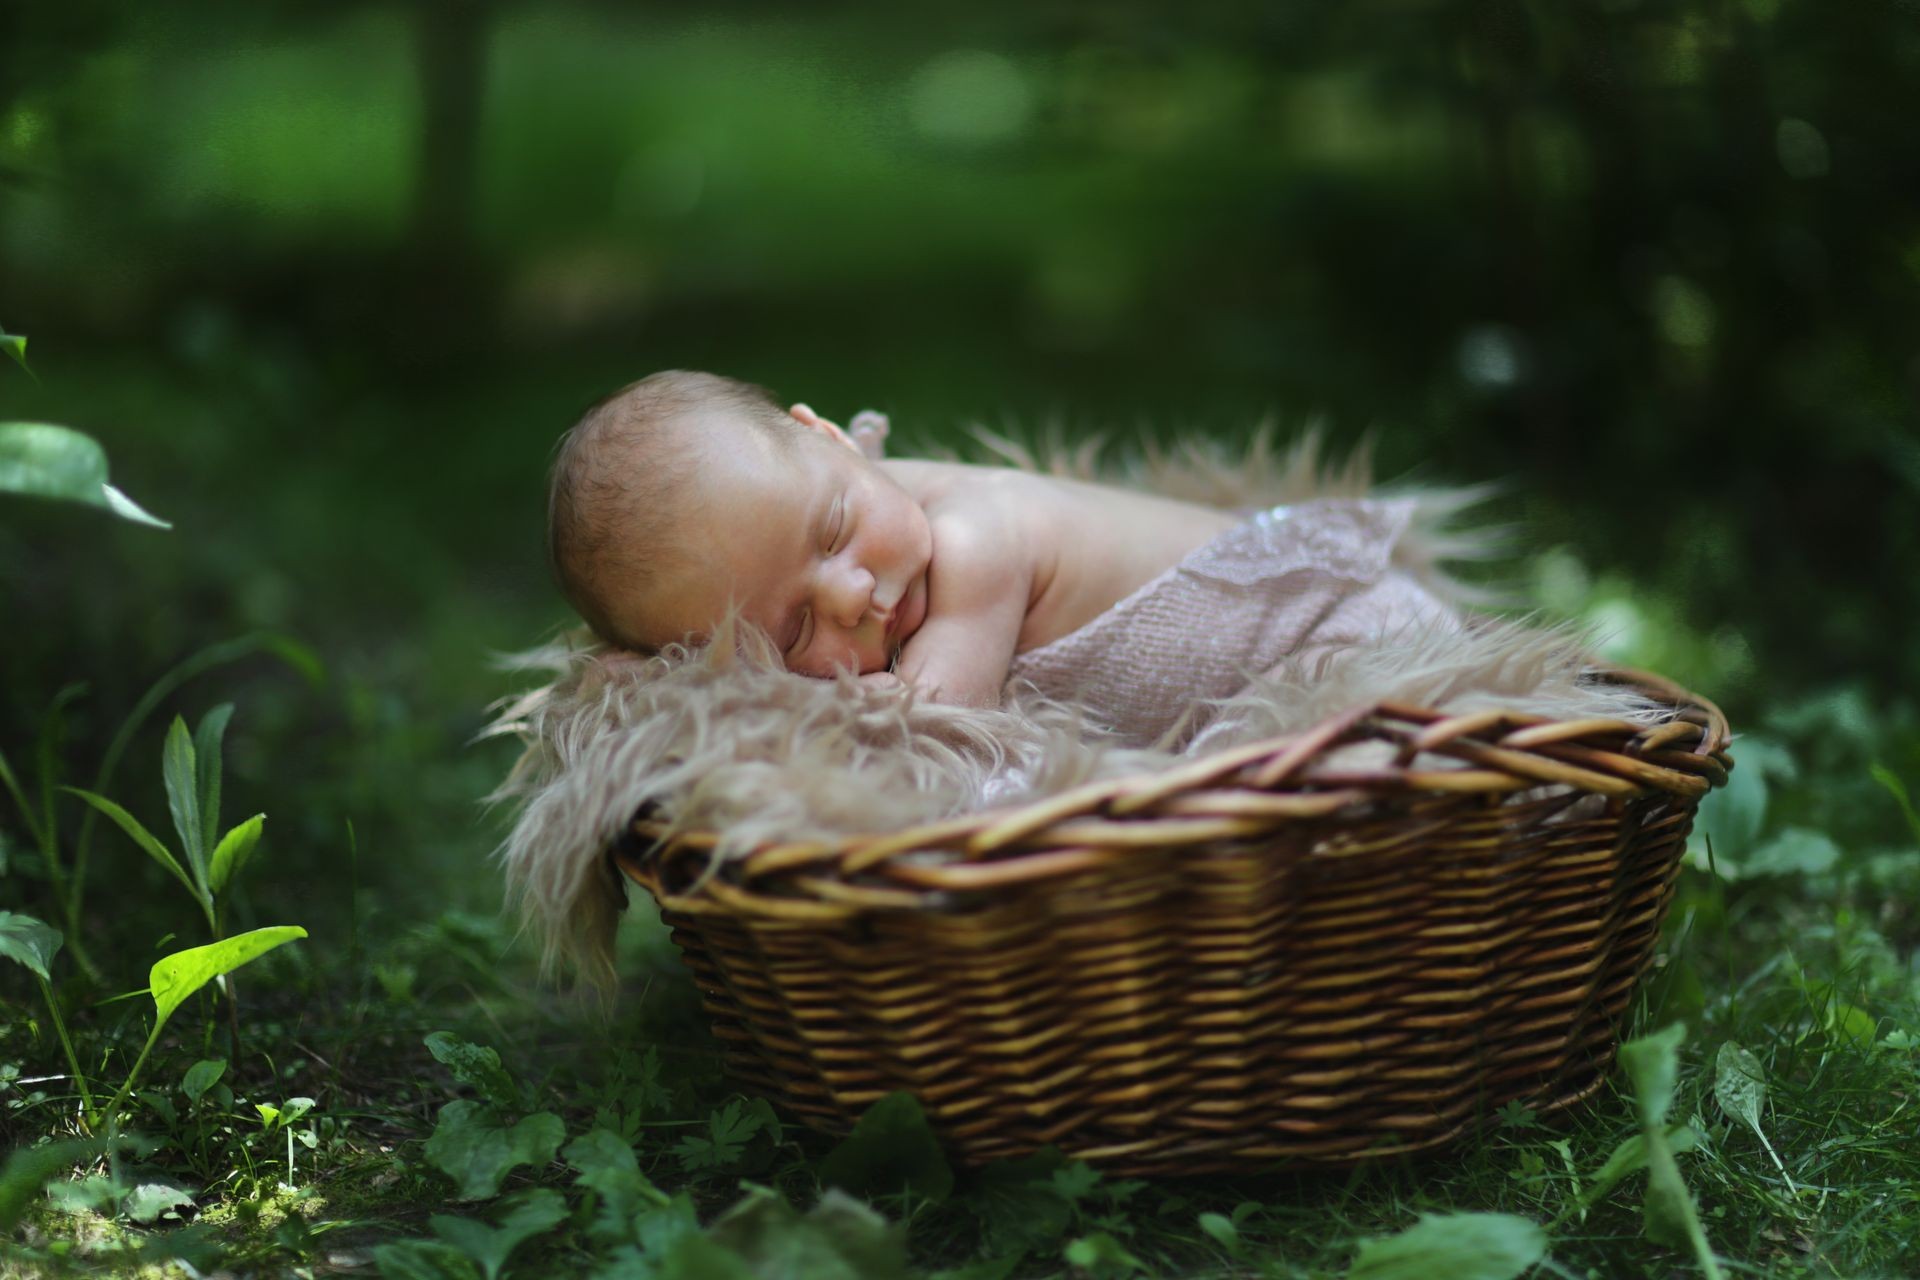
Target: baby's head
(686, 493)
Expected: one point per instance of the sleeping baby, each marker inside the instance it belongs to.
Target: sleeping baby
(686, 496)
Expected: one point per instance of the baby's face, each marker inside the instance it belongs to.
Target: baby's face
(819, 547)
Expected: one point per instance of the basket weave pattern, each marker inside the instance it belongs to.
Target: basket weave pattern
(1258, 956)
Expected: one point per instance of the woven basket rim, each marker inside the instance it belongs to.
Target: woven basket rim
(1236, 793)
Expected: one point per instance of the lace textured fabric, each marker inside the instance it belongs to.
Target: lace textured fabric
(1317, 574)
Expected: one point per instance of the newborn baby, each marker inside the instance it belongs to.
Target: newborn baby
(686, 494)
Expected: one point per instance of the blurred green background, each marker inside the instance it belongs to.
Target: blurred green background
(328, 279)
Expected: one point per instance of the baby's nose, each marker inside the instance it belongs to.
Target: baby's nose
(852, 597)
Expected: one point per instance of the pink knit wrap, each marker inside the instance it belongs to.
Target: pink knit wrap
(1310, 577)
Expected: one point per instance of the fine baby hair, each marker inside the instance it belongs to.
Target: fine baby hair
(612, 508)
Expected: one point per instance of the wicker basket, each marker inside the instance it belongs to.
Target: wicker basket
(1252, 958)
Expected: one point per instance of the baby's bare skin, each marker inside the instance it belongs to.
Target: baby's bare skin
(1020, 560)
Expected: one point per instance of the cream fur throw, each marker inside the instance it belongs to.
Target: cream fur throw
(723, 739)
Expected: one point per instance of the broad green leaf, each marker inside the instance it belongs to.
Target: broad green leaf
(151, 1199)
(202, 1076)
(695, 1257)
(29, 1169)
(231, 854)
(423, 1260)
(1794, 851)
(1459, 1246)
(138, 834)
(477, 1065)
(663, 1226)
(1221, 1228)
(179, 769)
(207, 741)
(1734, 814)
(839, 1238)
(532, 1213)
(608, 1168)
(1630, 1157)
(1653, 1064)
(891, 1149)
(476, 1147)
(1667, 1207)
(179, 975)
(48, 461)
(29, 941)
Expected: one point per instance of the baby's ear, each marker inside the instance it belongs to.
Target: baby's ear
(807, 418)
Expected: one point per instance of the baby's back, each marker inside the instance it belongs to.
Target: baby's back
(1108, 543)
(1090, 545)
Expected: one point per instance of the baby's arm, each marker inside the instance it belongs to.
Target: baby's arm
(976, 602)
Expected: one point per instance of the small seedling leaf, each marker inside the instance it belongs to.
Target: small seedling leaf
(202, 1076)
(477, 1065)
(728, 1131)
(891, 1149)
(173, 978)
(1460, 1246)
(1630, 1157)
(532, 1213)
(476, 1146)
(29, 941)
(231, 854)
(138, 834)
(207, 743)
(179, 769)
(1653, 1064)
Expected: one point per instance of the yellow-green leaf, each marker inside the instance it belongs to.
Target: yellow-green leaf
(231, 854)
(179, 975)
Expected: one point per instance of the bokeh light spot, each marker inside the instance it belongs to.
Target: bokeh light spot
(969, 96)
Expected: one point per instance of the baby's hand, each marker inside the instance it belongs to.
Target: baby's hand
(881, 680)
(869, 430)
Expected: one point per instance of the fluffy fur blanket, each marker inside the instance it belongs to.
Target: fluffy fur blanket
(721, 738)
